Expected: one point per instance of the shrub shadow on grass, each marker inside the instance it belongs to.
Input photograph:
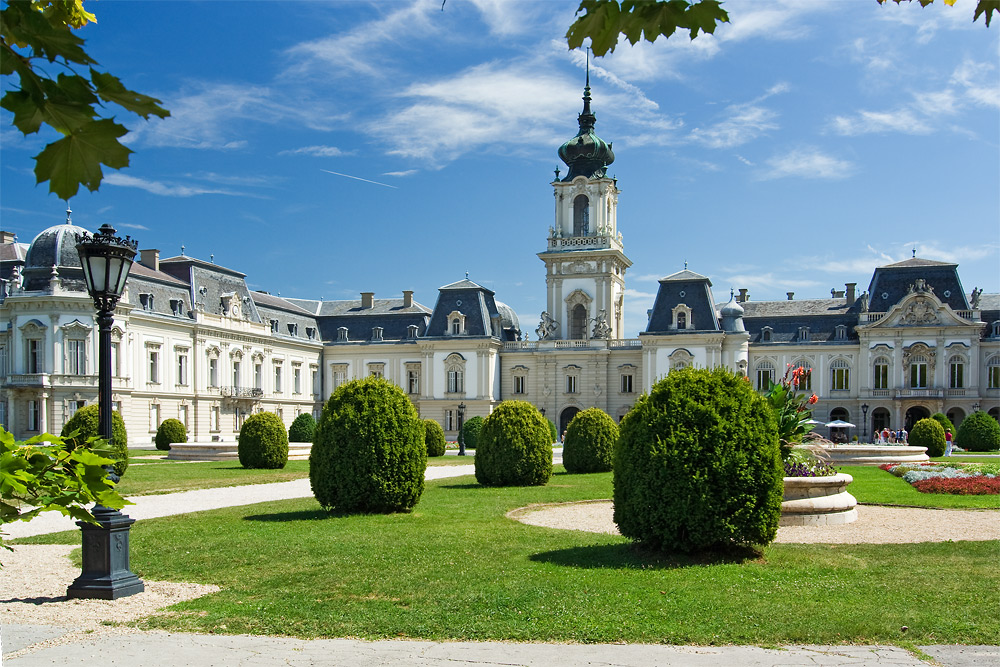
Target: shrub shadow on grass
(631, 556)
(285, 517)
(473, 485)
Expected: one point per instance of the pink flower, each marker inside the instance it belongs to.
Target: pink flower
(813, 399)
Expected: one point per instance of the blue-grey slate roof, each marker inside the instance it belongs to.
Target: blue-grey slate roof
(477, 303)
(892, 282)
(691, 289)
(392, 315)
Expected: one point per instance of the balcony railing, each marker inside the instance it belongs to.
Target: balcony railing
(598, 343)
(27, 380)
(250, 393)
(919, 393)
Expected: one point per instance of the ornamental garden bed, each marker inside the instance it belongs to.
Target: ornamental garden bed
(965, 479)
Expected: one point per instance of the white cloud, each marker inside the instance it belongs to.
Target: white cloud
(166, 189)
(318, 151)
(745, 123)
(132, 226)
(806, 162)
(869, 122)
(978, 82)
(401, 174)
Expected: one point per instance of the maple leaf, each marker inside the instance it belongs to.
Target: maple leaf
(76, 159)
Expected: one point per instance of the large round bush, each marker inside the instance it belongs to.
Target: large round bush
(514, 447)
(169, 432)
(302, 429)
(87, 421)
(263, 442)
(979, 433)
(590, 442)
(434, 438)
(370, 453)
(470, 431)
(697, 464)
(930, 434)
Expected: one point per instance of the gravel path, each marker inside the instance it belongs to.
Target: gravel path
(875, 524)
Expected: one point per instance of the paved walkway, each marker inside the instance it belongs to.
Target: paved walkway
(64, 647)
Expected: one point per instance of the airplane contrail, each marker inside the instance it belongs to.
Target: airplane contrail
(337, 173)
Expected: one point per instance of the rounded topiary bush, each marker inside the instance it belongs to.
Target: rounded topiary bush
(979, 432)
(697, 465)
(263, 442)
(514, 447)
(470, 431)
(169, 432)
(370, 452)
(590, 442)
(302, 429)
(942, 418)
(930, 434)
(434, 438)
(553, 431)
(87, 421)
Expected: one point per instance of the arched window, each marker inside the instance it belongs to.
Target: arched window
(956, 372)
(765, 335)
(805, 379)
(880, 419)
(456, 326)
(840, 375)
(765, 375)
(578, 322)
(880, 373)
(455, 369)
(993, 372)
(581, 216)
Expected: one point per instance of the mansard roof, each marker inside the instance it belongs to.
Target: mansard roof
(270, 301)
(476, 303)
(142, 271)
(683, 288)
(892, 282)
(391, 315)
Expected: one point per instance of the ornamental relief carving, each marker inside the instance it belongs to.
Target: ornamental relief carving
(920, 311)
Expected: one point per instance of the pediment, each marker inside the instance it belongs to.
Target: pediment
(919, 309)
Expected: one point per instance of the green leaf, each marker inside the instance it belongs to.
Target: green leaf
(110, 89)
(26, 27)
(986, 7)
(27, 114)
(77, 158)
(605, 20)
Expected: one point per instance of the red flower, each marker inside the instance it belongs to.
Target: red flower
(813, 399)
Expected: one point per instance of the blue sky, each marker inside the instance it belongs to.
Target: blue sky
(795, 150)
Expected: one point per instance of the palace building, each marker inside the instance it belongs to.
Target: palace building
(191, 341)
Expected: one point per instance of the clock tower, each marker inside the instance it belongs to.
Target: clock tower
(585, 261)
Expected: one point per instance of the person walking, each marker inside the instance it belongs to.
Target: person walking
(947, 443)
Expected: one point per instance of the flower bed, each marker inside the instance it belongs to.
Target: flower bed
(967, 479)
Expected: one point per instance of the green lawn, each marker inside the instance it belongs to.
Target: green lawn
(878, 487)
(457, 568)
(177, 476)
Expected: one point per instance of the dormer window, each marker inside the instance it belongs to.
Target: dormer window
(803, 334)
(456, 323)
(682, 316)
(311, 333)
(456, 326)
(342, 334)
(682, 320)
(765, 334)
(840, 333)
(996, 329)
(293, 329)
(177, 306)
(376, 333)
(412, 330)
(274, 326)
(146, 301)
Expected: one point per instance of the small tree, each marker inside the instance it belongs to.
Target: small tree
(303, 428)
(434, 438)
(590, 441)
(979, 432)
(263, 442)
(170, 432)
(930, 434)
(470, 431)
(514, 447)
(370, 453)
(48, 473)
(86, 424)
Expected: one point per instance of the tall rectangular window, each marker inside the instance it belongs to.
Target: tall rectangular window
(154, 416)
(339, 377)
(34, 356)
(182, 369)
(449, 420)
(154, 366)
(182, 415)
(213, 372)
(519, 384)
(957, 375)
(33, 415)
(258, 376)
(277, 380)
(840, 379)
(76, 357)
(213, 418)
(236, 373)
(570, 384)
(993, 377)
(296, 380)
(116, 354)
(456, 382)
(413, 382)
(880, 379)
(918, 375)
(627, 383)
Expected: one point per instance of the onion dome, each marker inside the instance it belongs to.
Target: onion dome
(508, 318)
(53, 252)
(586, 154)
(732, 315)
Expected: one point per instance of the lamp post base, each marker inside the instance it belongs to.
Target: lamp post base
(106, 574)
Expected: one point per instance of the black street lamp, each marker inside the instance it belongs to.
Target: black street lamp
(106, 261)
(461, 422)
(864, 411)
(542, 410)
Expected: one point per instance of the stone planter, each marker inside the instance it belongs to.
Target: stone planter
(818, 501)
(874, 455)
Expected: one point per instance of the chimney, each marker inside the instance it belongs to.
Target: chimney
(836, 294)
(150, 258)
(407, 298)
(368, 299)
(744, 295)
(7, 237)
(791, 295)
(850, 292)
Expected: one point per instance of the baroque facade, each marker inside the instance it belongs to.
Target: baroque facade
(191, 341)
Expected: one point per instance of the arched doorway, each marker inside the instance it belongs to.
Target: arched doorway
(565, 418)
(839, 434)
(915, 414)
(955, 416)
(880, 419)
